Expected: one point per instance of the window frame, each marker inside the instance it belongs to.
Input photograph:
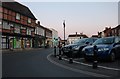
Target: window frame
(18, 16)
(29, 20)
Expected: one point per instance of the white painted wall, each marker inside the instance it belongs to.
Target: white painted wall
(54, 35)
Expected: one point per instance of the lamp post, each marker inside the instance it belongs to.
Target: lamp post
(64, 31)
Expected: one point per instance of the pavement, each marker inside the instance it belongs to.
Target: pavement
(111, 69)
(99, 72)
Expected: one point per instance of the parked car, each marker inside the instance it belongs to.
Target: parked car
(107, 48)
(77, 47)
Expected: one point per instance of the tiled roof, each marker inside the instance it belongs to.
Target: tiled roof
(17, 7)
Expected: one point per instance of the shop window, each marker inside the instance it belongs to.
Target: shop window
(17, 16)
(4, 42)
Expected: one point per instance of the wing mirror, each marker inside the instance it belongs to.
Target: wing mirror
(87, 42)
(116, 44)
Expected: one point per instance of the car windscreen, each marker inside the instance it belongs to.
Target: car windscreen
(81, 41)
(108, 40)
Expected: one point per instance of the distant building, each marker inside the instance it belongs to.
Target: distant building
(62, 42)
(110, 32)
(54, 37)
(48, 37)
(96, 36)
(107, 32)
(39, 36)
(118, 30)
(73, 37)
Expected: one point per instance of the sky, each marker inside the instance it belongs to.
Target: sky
(82, 17)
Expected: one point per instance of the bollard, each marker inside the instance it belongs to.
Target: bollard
(70, 54)
(70, 60)
(59, 50)
(55, 51)
(60, 56)
(95, 62)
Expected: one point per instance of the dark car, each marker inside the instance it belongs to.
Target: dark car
(77, 47)
(107, 48)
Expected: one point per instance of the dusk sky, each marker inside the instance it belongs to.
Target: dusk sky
(86, 17)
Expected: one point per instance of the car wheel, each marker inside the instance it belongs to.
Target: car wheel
(85, 58)
(112, 56)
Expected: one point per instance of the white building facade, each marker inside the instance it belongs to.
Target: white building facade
(55, 40)
(74, 37)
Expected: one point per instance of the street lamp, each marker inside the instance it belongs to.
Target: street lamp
(64, 31)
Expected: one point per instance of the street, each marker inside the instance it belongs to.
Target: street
(33, 63)
(40, 62)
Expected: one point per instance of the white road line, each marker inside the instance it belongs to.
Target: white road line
(76, 70)
(115, 69)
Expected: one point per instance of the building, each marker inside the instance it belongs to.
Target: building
(96, 36)
(48, 37)
(116, 31)
(73, 37)
(17, 26)
(39, 36)
(107, 32)
(55, 40)
(101, 34)
(110, 32)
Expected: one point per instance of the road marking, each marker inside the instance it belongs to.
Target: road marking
(115, 69)
(76, 70)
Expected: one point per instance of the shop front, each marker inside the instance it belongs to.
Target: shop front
(28, 43)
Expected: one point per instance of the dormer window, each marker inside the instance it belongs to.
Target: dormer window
(29, 20)
(17, 16)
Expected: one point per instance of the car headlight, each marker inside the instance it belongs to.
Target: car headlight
(76, 47)
(103, 49)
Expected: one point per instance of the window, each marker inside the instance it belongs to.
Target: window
(0, 22)
(11, 24)
(29, 20)
(17, 16)
(5, 25)
(28, 31)
(22, 27)
(17, 28)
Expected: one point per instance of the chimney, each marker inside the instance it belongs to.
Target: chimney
(39, 22)
(81, 33)
(106, 28)
(76, 33)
